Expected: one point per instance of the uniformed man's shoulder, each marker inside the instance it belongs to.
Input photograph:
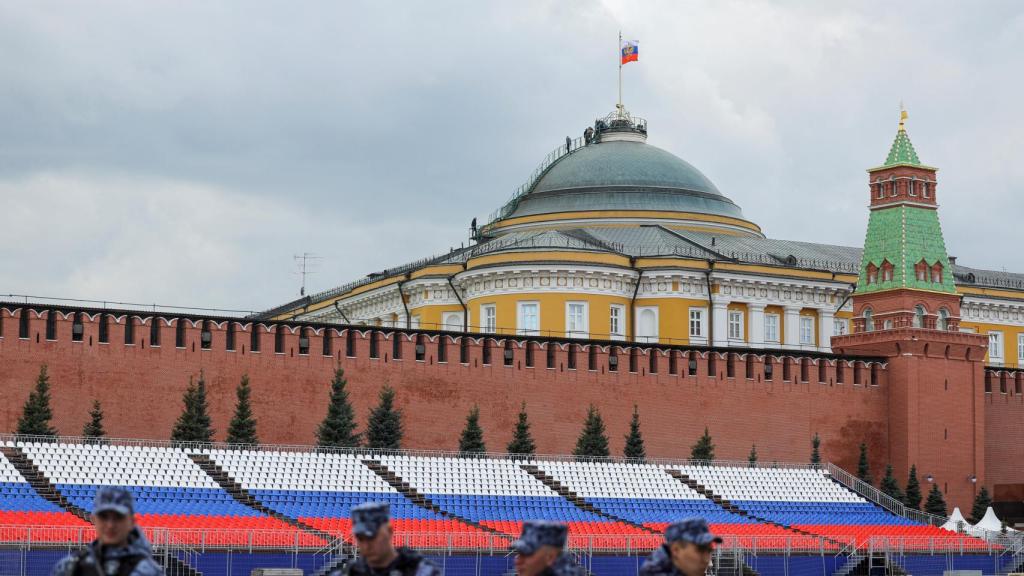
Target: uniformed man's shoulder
(148, 567)
(66, 567)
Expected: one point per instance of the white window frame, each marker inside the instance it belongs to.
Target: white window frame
(1020, 350)
(735, 324)
(617, 315)
(771, 327)
(521, 307)
(583, 329)
(840, 326)
(701, 322)
(806, 324)
(995, 345)
(451, 321)
(489, 318)
(657, 319)
(415, 323)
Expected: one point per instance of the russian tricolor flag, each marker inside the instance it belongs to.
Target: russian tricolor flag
(630, 51)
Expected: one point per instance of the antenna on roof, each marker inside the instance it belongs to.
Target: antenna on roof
(304, 263)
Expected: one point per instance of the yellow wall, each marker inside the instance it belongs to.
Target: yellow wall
(741, 307)
(1010, 335)
(430, 316)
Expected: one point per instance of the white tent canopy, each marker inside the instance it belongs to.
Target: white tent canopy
(956, 522)
(990, 522)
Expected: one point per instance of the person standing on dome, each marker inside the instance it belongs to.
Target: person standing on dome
(568, 144)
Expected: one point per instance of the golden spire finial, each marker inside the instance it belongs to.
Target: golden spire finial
(903, 116)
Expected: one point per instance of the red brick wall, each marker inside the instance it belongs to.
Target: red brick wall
(1004, 434)
(140, 387)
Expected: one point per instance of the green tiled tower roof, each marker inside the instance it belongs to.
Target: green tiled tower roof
(902, 151)
(904, 235)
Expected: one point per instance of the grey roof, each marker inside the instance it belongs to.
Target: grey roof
(658, 241)
(622, 175)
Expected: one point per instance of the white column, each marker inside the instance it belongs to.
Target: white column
(720, 323)
(755, 325)
(825, 328)
(792, 327)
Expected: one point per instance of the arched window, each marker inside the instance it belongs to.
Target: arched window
(942, 323)
(925, 190)
(879, 192)
(869, 320)
(918, 316)
(911, 187)
(921, 271)
(937, 273)
(892, 186)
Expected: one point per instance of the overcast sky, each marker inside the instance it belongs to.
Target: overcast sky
(182, 153)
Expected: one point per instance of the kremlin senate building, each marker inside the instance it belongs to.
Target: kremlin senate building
(617, 276)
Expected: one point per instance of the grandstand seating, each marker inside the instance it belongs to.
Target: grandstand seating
(21, 508)
(320, 489)
(170, 491)
(611, 505)
(498, 493)
(807, 499)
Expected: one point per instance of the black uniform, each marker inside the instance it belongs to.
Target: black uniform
(407, 563)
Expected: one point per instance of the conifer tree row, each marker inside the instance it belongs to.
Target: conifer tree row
(472, 439)
(242, 429)
(194, 424)
(37, 414)
(635, 440)
(522, 440)
(338, 428)
(592, 440)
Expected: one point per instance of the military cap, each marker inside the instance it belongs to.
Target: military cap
(369, 517)
(691, 530)
(539, 533)
(113, 499)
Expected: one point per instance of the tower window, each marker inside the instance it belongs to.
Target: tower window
(205, 336)
(926, 190)
(879, 190)
(51, 324)
(872, 273)
(179, 333)
(869, 320)
(911, 188)
(942, 322)
(887, 271)
(921, 271)
(937, 273)
(77, 328)
(892, 187)
(918, 316)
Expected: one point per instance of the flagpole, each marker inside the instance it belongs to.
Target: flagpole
(619, 107)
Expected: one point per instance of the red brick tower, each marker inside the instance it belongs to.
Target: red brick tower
(906, 308)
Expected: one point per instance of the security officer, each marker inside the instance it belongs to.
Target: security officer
(541, 551)
(371, 526)
(120, 548)
(686, 551)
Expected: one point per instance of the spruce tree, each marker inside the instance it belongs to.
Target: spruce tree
(704, 449)
(384, 427)
(592, 440)
(634, 440)
(472, 439)
(522, 440)
(863, 468)
(94, 427)
(912, 495)
(936, 504)
(194, 424)
(36, 415)
(338, 428)
(890, 486)
(752, 459)
(981, 503)
(815, 454)
(242, 429)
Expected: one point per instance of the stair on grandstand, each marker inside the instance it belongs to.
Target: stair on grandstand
(418, 499)
(174, 566)
(710, 495)
(242, 496)
(39, 482)
(579, 502)
(866, 564)
(730, 563)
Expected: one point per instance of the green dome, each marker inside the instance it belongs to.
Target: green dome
(624, 175)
